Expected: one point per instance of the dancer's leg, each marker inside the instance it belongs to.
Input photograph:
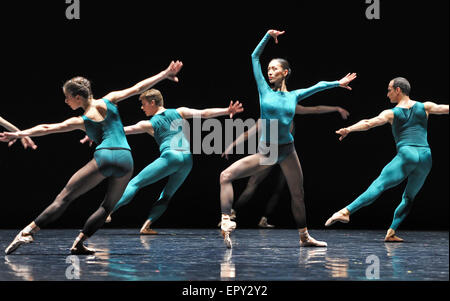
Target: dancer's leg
(271, 204)
(245, 167)
(157, 170)
(415, 182)
(292, 171)
(173, 184)
(242, 168)
(82, 181)
(392, 174)
(250, 189)
(116, 187)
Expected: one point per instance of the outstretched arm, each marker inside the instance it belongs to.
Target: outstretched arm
(142, 86)
(323, 85)
(242, 138)
(71, 124)
(432, 108)
(366, 124)
(141, 127)
(232, 109)
(301, 110)
(26, 141)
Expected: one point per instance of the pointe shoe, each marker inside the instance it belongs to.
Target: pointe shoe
(19, 240)
(82, 250)
(338, 217)
(390, 237)
(148, 231)
(227, 227)
(232, 217)
(108, 219)
(308, 241)
(263, 223)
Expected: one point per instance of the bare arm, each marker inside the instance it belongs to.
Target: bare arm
(26, 141)
(142, 86)
(242, 138)
(71, 124)
(321, 110)
(141, 127)
(432, 108)
(7, 125)
(232, 109)
(386, 116)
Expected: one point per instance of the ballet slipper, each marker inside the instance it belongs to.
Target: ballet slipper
(342, 216)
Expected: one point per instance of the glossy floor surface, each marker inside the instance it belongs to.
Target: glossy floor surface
(200, 254)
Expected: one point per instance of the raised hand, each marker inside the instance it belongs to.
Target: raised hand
(86, 139)
(275, 33)
(343, 82)
(173, 69)
(344, 113)
(343, 132)
(234, 108)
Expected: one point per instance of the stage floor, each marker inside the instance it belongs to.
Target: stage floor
(257, 255)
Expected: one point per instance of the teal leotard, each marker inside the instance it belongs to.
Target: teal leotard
(413, 162)
(175, 162)
(112, 154)
(278, 105)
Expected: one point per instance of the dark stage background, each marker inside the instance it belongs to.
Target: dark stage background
(118, 43)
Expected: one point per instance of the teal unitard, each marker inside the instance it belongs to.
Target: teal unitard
(412, 162)
(175, 162)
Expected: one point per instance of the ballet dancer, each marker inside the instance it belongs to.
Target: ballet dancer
(112, 157)
(175, 161)
(280, 181)
(409, 120)
(277, 104)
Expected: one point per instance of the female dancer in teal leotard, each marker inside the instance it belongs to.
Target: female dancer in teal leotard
(413, 160)
(280, 180)
(277, 104)
(175, 161)
(26, 141)
(112, 158)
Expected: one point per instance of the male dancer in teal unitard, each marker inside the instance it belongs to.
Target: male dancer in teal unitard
(413, 160)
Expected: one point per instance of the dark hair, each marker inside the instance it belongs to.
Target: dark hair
(153, 94)
(285, 65)
(403, 84)
(78, 86)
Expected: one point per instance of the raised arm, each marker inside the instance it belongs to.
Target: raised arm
(232, 109)
(74, 123)
(301, 110)
(256, 64)
(324, 85)
(140, 87)
(432, 108)
(387, 116)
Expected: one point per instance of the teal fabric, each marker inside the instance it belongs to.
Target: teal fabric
(413, 162)
(168, 131)
(410, 126)
(175, 162)
(108, 133)
(277, 105)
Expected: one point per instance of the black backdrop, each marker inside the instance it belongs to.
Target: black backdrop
(117, 44)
